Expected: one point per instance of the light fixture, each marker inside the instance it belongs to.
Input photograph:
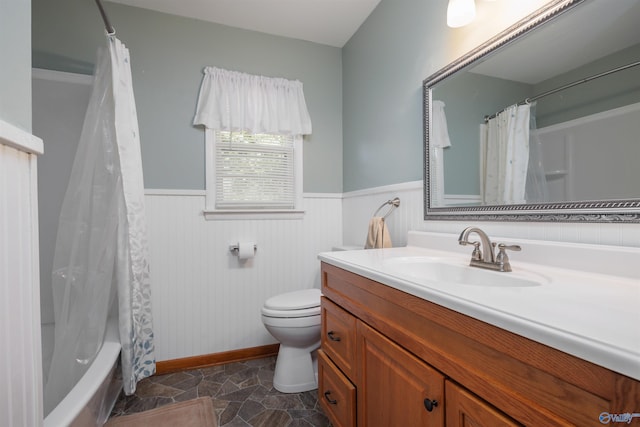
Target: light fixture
(460, 12)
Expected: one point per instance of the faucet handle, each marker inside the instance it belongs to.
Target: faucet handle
(477, 253)
(502, 247)
(502, 259)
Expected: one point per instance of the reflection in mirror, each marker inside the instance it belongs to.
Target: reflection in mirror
(541, 122)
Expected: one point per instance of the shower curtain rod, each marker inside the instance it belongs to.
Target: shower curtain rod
(567, 86)
(110, 30)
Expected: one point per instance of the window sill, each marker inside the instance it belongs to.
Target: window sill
(218, 215)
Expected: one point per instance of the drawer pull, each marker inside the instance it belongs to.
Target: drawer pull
(430, 404)
(330, 400)
(332, 337)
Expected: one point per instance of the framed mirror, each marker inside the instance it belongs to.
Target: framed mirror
(540, 123)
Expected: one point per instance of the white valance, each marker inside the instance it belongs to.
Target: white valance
(234, 101)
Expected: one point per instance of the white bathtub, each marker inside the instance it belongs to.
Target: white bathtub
(90, 402)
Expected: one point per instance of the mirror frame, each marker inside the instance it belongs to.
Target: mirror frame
(609, 211)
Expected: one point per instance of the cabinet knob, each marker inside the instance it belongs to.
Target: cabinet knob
(430, 404)
(330, 400)
(332, 336)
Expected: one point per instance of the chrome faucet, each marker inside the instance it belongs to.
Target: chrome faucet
(485, 257)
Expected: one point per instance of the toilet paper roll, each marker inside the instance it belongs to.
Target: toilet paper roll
(246, 250)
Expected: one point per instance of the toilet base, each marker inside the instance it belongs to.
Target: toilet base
(296, 370)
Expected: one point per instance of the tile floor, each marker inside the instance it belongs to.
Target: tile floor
(242, 394)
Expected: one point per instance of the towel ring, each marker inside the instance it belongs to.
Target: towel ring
(394, 203)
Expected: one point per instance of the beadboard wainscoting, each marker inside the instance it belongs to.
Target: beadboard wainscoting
(359, 206)
(205, 300)
(20, 361)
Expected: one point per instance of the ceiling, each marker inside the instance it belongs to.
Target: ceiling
(328, 22)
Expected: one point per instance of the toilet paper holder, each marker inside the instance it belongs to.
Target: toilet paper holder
(236, 248)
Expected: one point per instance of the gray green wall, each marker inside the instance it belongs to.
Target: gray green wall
(399, 45)
(15, 66)
(365, 100)
(168, 54)
(384, 64)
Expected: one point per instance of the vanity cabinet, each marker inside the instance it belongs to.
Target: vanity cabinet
(389, 358)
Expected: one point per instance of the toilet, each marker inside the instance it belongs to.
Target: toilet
(293, 318)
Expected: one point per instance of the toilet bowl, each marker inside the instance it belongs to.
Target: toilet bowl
(293, 318)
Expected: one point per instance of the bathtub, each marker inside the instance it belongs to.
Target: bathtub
(90, 402)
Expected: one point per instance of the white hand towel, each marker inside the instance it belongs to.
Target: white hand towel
(378, 236)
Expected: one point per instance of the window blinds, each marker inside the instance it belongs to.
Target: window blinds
(254, 171)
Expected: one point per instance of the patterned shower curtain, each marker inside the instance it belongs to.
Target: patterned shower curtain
(134, 287)
(504, 156)
(101, 249)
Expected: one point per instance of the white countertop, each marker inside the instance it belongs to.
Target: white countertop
(584, 310)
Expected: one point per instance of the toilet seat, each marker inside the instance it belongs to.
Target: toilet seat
(304, 303)
(307, 312)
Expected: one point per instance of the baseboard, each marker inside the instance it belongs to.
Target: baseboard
(206, 360)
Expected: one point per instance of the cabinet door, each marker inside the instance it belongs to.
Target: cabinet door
(464, 409)
(394, 387)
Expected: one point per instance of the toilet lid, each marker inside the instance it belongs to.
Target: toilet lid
(297, 300)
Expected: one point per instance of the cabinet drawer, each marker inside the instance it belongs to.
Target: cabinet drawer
(336, 394)
(339, 336)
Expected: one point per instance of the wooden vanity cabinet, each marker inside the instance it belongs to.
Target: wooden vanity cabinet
(397, 356)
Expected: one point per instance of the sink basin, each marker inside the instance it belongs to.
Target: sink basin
(455, 271)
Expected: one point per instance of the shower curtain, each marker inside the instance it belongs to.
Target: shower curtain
(504, 156)
(511, 170)
(100, 266)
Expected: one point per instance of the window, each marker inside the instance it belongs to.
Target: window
(253, 175)
(253, 137)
